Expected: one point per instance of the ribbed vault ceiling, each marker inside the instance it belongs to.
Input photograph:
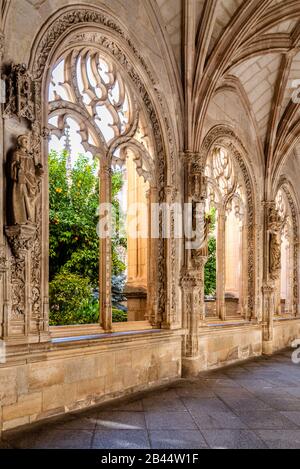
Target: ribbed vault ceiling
(254, 44)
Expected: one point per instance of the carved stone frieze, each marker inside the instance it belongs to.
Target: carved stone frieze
(20, 93)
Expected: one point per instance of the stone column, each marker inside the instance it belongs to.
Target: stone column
(244, 271)
(171, 320)
(23, 326)
(152, 299)
(192, 278)
(268, 291)
(296, 305)
(3, 256)
(272, 267)
(221, 310)
(105, 247)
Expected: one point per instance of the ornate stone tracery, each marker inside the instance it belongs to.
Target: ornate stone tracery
(286, 209)
(222, 136)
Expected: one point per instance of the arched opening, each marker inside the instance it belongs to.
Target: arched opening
(226, 288)
(285, 285)
(101, 175)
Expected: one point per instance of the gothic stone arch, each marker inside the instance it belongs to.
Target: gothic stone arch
(287, 188)
(78, 25)
(224, 136)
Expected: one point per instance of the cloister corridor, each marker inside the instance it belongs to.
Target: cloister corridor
(253, 405)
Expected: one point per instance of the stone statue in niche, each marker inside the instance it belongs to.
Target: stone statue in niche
(275, 228)
(26, 177)
(200, 255)
(275, 256)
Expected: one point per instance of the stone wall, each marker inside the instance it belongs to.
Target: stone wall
(72, 376)
(77, 375)
(285, 332)
(225, 344)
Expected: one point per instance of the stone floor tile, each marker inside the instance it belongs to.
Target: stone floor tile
(246, 404)
(233, 439)
(157, 404)
(177, 439)
(265, 420)
(55, 439)
(218, 421)
(169, 421)
(280, 439)
(205, 405)
(292, 416)
(121, 439)
(285, 404)
(120, 420)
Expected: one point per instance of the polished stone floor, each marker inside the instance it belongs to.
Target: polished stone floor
(252, 405)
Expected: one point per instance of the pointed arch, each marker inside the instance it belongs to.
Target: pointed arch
(224, 136)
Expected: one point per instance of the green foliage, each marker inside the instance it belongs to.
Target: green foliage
(119, 316)
(210, 277)
(74, 242)
(71, 300)
(119, 241)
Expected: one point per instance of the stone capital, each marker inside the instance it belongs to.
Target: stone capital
(20, 238)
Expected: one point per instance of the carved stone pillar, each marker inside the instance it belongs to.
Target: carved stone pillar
(3, 291)
(26, 313)
(24, 319)
(272, 269)
(192, 280)
(244, 271)
(152, 300)
(268, 291)
(105, 246)
(171, 319)
(296, 305)
(3, 258)
(221, 310)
